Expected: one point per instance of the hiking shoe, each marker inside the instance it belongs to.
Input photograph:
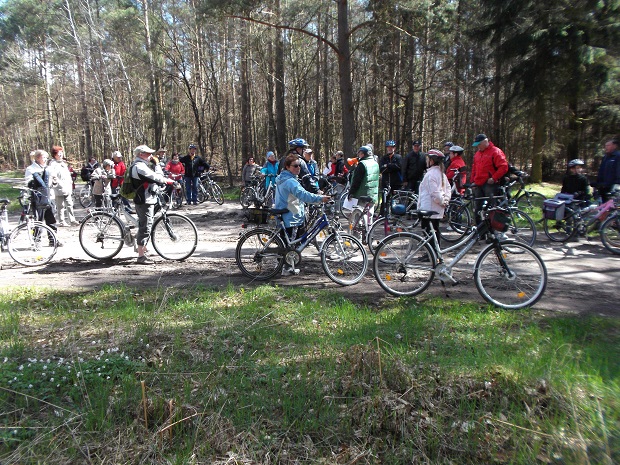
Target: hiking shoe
(501, 237)
(64, 224)
(144, 260)
(75, 223)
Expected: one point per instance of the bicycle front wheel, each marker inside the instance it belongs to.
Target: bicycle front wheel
(176, 198)
(404, 264)
(260, 254)
(510, 275)
(217, 194)
(32, 244)
(174, 236)
(521, 227)
(383, 227)
(456, 222)
(101, 235)
(86, 198)
(344, 259)
(610, 234)
(246, 197)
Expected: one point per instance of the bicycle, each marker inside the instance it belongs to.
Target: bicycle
(459, 215)
(247, 194)
(208, 189)
(32, 242)
(507, 274)
(260, 196)
(580, 219)
(261, 252)
(103, 233)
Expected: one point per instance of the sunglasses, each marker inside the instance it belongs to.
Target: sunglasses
(296, 165)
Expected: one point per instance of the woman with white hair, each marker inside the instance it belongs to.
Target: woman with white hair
(102, 178)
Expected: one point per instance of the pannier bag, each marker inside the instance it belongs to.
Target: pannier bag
(499, 219)
(258, 215)
(554, 209)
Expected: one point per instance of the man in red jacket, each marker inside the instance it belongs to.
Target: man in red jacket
(487, 170)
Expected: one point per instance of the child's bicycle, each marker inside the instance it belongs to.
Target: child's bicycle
(32, 242)
(262, 252)
(581, 219)
(508, 274)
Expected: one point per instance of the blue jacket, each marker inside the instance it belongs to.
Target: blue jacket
(290, 194)
(270, 170)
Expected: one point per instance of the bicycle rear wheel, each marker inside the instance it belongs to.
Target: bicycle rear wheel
(101, 235)
(510, 275)
(32, 244)
(255, 259)
(532, 204)
(521, 227)
(344, 259)
(560, 230)
(341, 202)
(404, 265)
(383, 227)
(86, 198)
(407, 198)
(610, 234)
(176, 198)
(174, 236)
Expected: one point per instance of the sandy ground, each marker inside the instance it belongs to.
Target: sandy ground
(583, 276)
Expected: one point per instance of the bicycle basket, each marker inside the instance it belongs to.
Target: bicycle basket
(257, 215)
(554, 209)
(499, 219)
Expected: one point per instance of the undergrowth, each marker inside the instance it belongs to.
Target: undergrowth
(273, 375)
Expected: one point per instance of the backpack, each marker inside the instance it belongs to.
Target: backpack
(85, 174)
(128, 188)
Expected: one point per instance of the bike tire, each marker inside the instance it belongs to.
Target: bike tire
(510, 275)
(201, 196)
(610, 234)
(344, 259)
(32, 244)
(407, 198)
(521, 227)
(246, 197)
(177, 199)
(254, 260)
(174, 236)
(101, 235)
(382, 227)
(560, 230)
(356, 224)
(532, 204)
(86, 197)
(404, 265)
(217, 194)
(341, 200)
(456, 222)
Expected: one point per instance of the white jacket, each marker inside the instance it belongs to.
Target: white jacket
(435, 191)
(60, 178)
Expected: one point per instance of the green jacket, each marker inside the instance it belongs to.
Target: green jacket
(365, 179)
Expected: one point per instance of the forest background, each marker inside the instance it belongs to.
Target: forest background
(240, 77)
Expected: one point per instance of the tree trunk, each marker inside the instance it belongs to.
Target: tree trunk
(344, 74)
(540, 127)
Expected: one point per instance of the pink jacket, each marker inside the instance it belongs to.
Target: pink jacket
(434, 191)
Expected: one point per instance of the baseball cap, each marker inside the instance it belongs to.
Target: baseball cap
(142, 149)
(479, 138)
(192, 146)
(417, 142)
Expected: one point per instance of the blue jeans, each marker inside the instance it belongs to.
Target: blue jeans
(191, 189)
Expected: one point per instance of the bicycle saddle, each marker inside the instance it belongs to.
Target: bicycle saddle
(423, 213)
(5, 201)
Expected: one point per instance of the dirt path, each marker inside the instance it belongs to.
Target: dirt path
(576, 282)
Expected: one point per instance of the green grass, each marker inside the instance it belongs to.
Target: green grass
(277, 375)
(8, 192)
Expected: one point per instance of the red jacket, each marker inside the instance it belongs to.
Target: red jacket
(119, 171)
(457, 162)
(490, 163)
(177, 170)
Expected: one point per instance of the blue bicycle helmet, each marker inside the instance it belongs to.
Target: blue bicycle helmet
(390, 143)
(298, 143)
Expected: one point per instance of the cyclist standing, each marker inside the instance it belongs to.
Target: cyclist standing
(609, 171)
(194, 165)
(487, 170)
(434, 192)
(390, 167)
(37, 177)
(458, 177)
(62, 186)
(143, 178)
(297, 146)
(574, 182)
(365, 177)
(291, 195)
(414, 165)
(270, 169)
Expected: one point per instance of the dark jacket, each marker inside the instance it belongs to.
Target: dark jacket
(414, 166)
(576, 184)
(195, 167)
(609, 171)
(391, 170)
